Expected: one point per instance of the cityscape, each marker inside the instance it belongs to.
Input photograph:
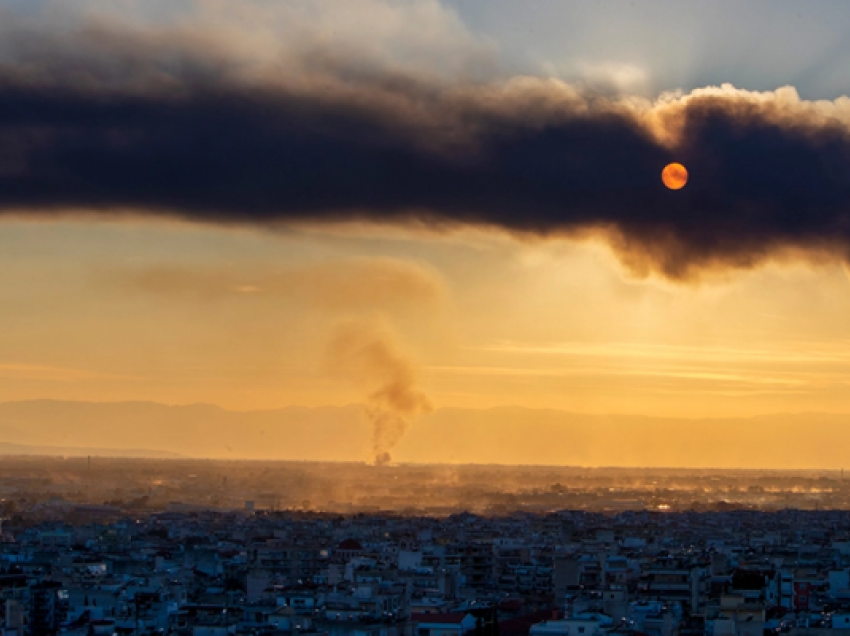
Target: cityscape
(106, 546)
(424, 318)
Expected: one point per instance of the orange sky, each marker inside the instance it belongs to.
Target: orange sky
(548, 119)
(179, 314)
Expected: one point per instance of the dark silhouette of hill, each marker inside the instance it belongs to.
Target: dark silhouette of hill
(72, 451)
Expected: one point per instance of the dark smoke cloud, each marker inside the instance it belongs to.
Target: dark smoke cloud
(149, 124)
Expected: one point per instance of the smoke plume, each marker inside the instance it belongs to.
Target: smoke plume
(168, 120)
(367, 353)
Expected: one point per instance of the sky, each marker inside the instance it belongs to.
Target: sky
(426, 204)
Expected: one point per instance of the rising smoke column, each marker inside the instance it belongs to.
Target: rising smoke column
(368, 354)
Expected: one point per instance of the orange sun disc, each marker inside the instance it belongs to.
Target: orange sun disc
(674, 176)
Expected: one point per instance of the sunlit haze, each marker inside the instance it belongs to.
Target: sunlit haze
(429, 211)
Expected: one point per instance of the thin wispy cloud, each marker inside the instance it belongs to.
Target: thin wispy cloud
(61, 374)
(357, 283)
(804, 352)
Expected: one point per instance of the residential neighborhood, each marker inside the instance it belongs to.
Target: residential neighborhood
(186, 569)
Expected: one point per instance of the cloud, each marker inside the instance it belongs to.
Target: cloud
(39, 372)
(205, 120)
(354, 284)
(610, 77)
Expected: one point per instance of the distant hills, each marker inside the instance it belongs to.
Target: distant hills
(197, 430)
(508, 435)
(73, 451)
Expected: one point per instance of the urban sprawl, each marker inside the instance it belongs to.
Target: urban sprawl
(96, 547)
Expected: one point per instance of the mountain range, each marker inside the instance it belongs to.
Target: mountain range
(504, 435)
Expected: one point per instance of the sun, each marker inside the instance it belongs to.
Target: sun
(674, 176)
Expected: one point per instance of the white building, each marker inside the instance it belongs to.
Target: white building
(583, 625)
